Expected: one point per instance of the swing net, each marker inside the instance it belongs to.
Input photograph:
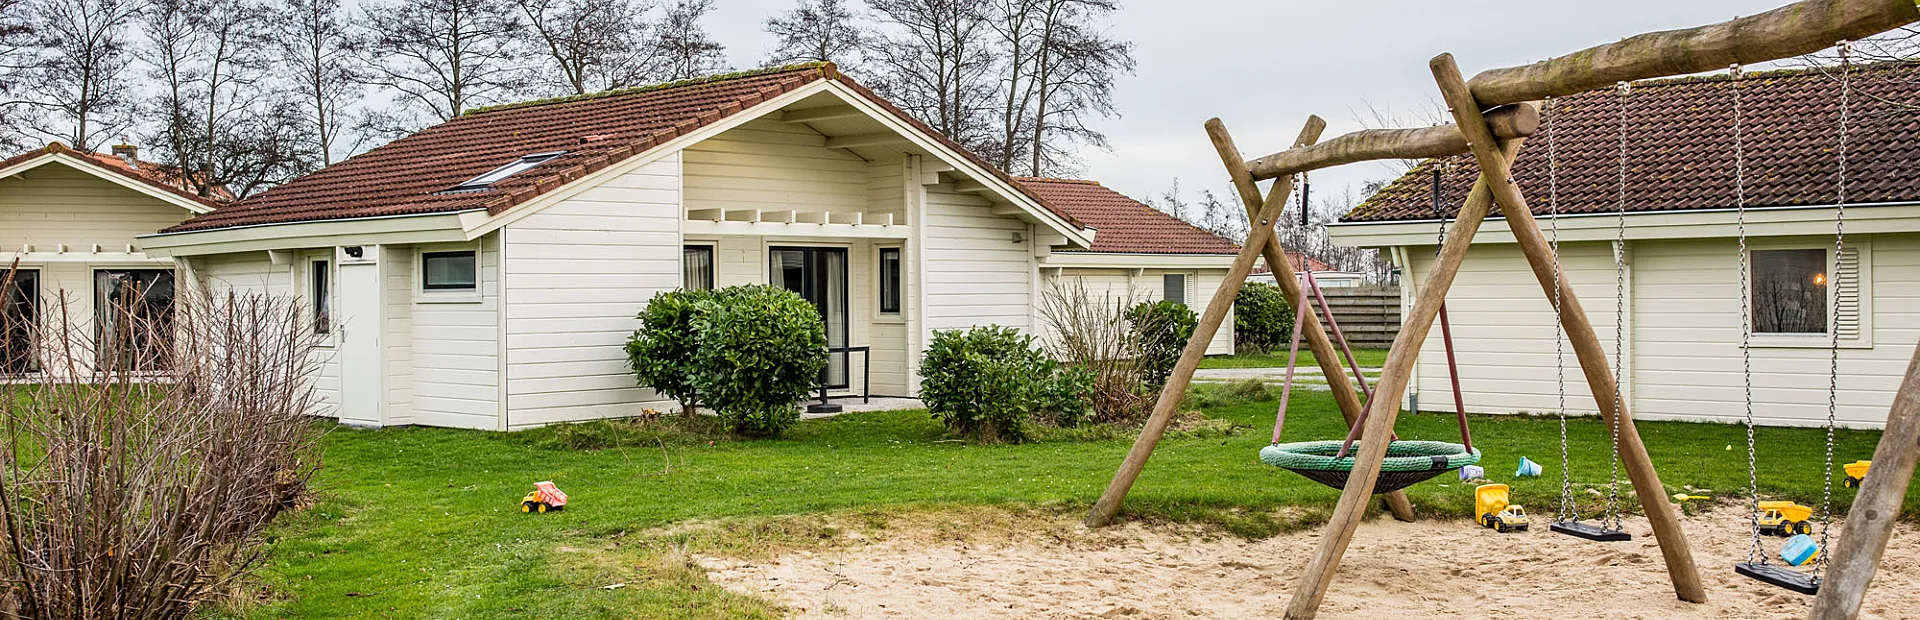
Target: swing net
(1408, 462)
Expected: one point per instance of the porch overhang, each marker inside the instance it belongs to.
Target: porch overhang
(1115, 260)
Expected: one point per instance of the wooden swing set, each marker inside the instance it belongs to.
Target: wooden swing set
(1493, 114)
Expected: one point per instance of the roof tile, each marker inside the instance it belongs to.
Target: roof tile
(1123, 224)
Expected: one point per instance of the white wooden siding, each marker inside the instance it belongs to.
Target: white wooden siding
(578, 274)
(1503, 329)
(396, 263)
(254, 272)
(456, 350)
(55, 204)
(974, 273)
(1685, 322)
(774, 166)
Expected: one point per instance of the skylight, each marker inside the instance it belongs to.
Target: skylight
(526, 161)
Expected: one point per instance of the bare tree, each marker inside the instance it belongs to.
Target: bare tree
(1172, 202)
(440, 58)
(19, 54)
(817, 31)
(682, 46)
(75, 86)
(592, 45)
(313, 40)
(1064, 81)
(938, 66)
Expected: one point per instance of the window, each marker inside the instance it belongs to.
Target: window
(322, 300)
(1174, 287)
(497, 174)
(890, 280)
(19, 320)
(450, 271)
(133, 317)
(1790, 291)
(696, 267)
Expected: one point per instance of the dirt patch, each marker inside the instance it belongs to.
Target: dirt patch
(939, 567)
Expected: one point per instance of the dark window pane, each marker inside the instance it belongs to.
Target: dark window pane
(134, 317)
(1790, 291)
(890, 279)
(322, 301)
(696, 267)
(1174, 287)
(449, 271)
(19, 320)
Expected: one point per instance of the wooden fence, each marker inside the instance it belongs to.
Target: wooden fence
(1368, 315)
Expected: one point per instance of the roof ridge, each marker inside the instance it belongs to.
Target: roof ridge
(827, 69)
(1059, 180)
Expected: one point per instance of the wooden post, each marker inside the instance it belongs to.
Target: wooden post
(1283, 274)
(1785, 32)
(1385, 408)
(1579, 329)
(1374, 144)
(1876, 508)
(1260, 233)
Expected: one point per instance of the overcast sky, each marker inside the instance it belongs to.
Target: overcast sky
(1263, 66)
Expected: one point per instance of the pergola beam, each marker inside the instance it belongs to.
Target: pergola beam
(1509, 122)
(1792, 30)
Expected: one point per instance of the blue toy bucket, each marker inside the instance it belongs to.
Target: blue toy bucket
(1528, 469)
(1799, 550)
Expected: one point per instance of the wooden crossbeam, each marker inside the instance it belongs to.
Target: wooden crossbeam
(865, 139)
(1283, 274)
(820, 114)
(1176, 387)
(1875, 508)
(1515, 121)
(1792, 30)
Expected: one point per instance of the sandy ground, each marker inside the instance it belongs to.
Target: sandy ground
(1393, 568)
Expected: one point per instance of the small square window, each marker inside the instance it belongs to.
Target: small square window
(450, 271)
(1790, 291)
(890, 280)
(1174, 287)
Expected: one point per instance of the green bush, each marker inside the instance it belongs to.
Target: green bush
(761, 351)
(988, 382)
(1163, 328)
(1262, 319)
(661, 351)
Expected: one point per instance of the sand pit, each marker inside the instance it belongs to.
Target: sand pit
(1433, 567)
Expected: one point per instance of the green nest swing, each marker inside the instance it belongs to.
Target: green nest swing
(1408, 462)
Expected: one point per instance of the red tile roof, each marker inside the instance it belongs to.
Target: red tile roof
(1123, 224)
(146, 172)
(1680, 147)
(412, 175)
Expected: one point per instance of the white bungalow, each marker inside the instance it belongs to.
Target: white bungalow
(484, 273)
(1681, 279)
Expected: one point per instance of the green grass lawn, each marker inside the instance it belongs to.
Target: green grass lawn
(1369, 358)
(425, 522)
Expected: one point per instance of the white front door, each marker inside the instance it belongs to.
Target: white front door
(358, 320)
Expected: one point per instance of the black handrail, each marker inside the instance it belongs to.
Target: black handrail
(866, 379)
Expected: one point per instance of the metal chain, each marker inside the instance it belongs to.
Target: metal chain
(1559, 329)
(1833, 348)
(1613, 519)
(1754, 551)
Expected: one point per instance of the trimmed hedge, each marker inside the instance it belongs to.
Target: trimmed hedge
(1262, 319)
(988, 382)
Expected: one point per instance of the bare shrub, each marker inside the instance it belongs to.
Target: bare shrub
(139, 470)
(1091, 331)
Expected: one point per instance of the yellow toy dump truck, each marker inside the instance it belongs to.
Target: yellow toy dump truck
(1785, 518)
(545, 497)
(1856, 472)
(1490, 509)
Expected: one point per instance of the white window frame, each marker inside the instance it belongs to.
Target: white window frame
(897, 315)
(713, 261)
(327, 338)
(422, 294)
(1187, 280)
(1862, 246)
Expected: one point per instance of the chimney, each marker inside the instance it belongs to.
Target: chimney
(127, 152)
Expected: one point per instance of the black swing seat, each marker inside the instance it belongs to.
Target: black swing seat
(1781, 576)
(1590, 532)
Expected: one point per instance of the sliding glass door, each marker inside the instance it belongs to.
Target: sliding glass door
(820, 276)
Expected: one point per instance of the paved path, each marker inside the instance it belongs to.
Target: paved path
(1308, 376)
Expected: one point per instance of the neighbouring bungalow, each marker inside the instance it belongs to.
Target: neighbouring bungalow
(485, 272)
(67, 225)
(1682, 274)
